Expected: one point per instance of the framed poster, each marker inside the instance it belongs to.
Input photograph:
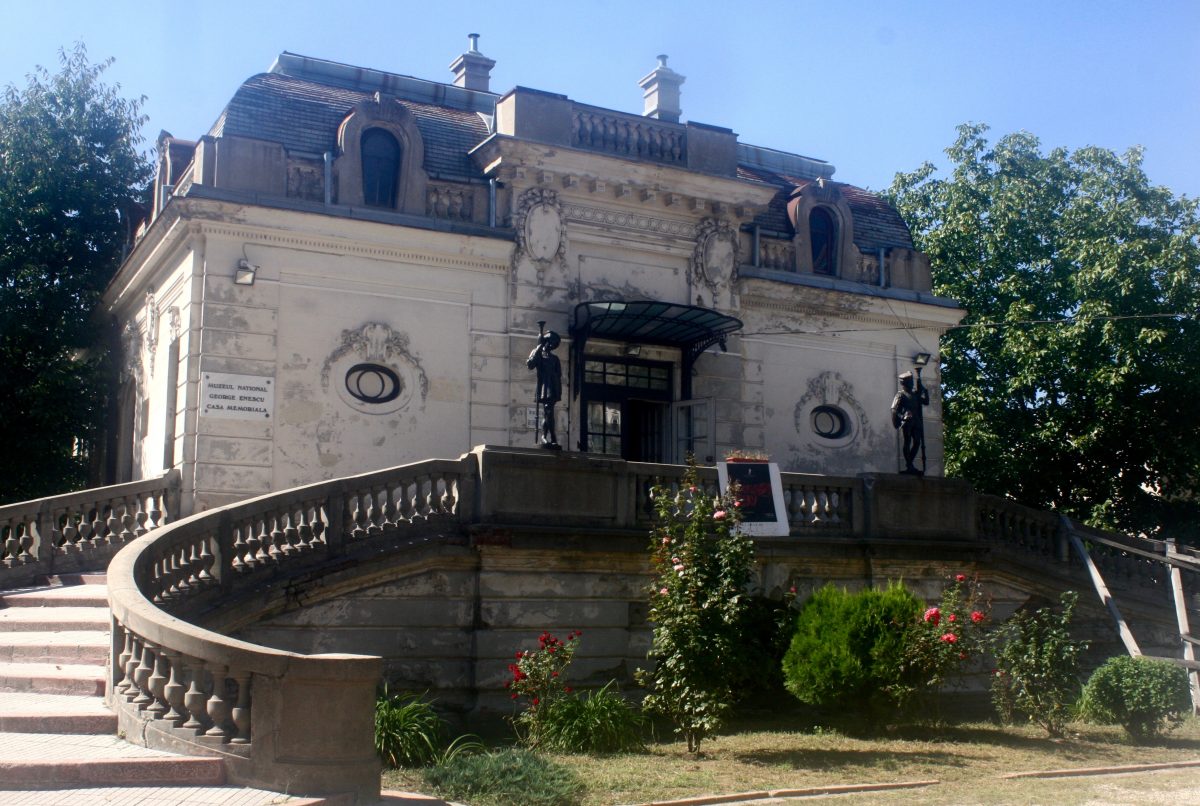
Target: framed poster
(761, 494)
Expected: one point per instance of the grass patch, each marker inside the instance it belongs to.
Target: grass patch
(968, 758)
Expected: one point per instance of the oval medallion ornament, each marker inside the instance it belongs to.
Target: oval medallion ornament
(543, 232)
(373, 383)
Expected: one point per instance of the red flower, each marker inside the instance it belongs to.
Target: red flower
(976, 617)
(952, 617)
(514, 696)
(949, 638)
(962, 655)
(933, 616)
(554, 674)
(568, 689)
(536, 700)
(960, 578)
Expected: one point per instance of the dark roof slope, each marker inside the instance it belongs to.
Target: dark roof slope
(876, 223)
(304, 116)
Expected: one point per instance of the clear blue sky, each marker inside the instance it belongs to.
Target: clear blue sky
(873, 87)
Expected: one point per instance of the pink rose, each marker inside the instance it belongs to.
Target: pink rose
(933, 615)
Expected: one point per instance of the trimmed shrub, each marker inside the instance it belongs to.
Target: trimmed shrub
(1145, 696)
(848, 648)
(599, 722)
(512, 777)
(408, 732)
(1037, 666)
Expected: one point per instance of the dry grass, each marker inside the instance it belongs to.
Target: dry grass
(968, 759)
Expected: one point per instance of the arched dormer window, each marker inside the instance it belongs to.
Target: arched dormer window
(380, 168)
(822, 233)
(380, 160)
(824, 227)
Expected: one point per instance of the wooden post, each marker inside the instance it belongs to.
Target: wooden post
(1181, 616)
(1098, 581)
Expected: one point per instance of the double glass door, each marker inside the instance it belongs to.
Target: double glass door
(626, 408)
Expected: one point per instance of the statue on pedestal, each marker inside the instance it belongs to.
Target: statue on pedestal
(549, 383)
(907, 416)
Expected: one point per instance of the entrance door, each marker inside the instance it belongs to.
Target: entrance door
(626, 408)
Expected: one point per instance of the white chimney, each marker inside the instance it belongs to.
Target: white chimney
(473, 70)
(661, 89)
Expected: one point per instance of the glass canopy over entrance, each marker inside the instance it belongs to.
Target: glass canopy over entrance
(626, 404)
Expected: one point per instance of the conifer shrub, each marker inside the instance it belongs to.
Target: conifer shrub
(1145, 696)
(848, 649)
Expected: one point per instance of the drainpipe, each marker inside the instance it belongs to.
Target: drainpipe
(882, 275)
(328, 178)
(492, 202)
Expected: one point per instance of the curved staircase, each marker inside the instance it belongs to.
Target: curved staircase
(56, 735)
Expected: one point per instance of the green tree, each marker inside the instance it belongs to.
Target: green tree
(70, 172)
(1073, 381)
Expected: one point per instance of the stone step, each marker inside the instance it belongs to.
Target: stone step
(52, 678)
(53, 619)
(173, 796)
(82, 578)
(71, 596)
(68, 646)
(164, 771)
(24, 712)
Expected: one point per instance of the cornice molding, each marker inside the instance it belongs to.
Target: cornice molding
(346, 246)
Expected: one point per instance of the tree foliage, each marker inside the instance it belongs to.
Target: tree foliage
(1092, 413)
(70, 171)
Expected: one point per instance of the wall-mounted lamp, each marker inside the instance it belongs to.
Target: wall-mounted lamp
(921, 359)
(245, 273)
(632, 350)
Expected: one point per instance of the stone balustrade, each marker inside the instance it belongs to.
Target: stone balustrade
(812, 502)
(82, 530)
(628, 135)
(185, 688)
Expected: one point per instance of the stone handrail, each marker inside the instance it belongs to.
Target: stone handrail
(81, 531)
(282, 720)
(634, 136)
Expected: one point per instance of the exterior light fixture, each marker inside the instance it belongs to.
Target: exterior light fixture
(245, 273)
(632, 350)
(921, 359)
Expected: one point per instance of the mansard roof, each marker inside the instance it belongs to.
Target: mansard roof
(877, 225)
(302, 101)
(304, 116)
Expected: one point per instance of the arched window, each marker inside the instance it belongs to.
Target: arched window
(380, 168)
(823, 234)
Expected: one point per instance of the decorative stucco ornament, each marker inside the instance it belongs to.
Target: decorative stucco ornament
(541, 236)
(830, 392)
(174, 322)
(373, 371)
(131, 353)
(151, 331)
(714, 260)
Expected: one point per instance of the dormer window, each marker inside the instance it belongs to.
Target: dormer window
(380, 168)
(381, 159)
(823, 236)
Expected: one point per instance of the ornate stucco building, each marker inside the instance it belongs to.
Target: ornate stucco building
(350, 269)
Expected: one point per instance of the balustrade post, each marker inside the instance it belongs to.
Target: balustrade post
(222, 563)
(335, 503)
(218, 707)
(195, 701)
(43, 549)
(241, 711)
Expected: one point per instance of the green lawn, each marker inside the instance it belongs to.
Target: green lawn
(968, 759)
